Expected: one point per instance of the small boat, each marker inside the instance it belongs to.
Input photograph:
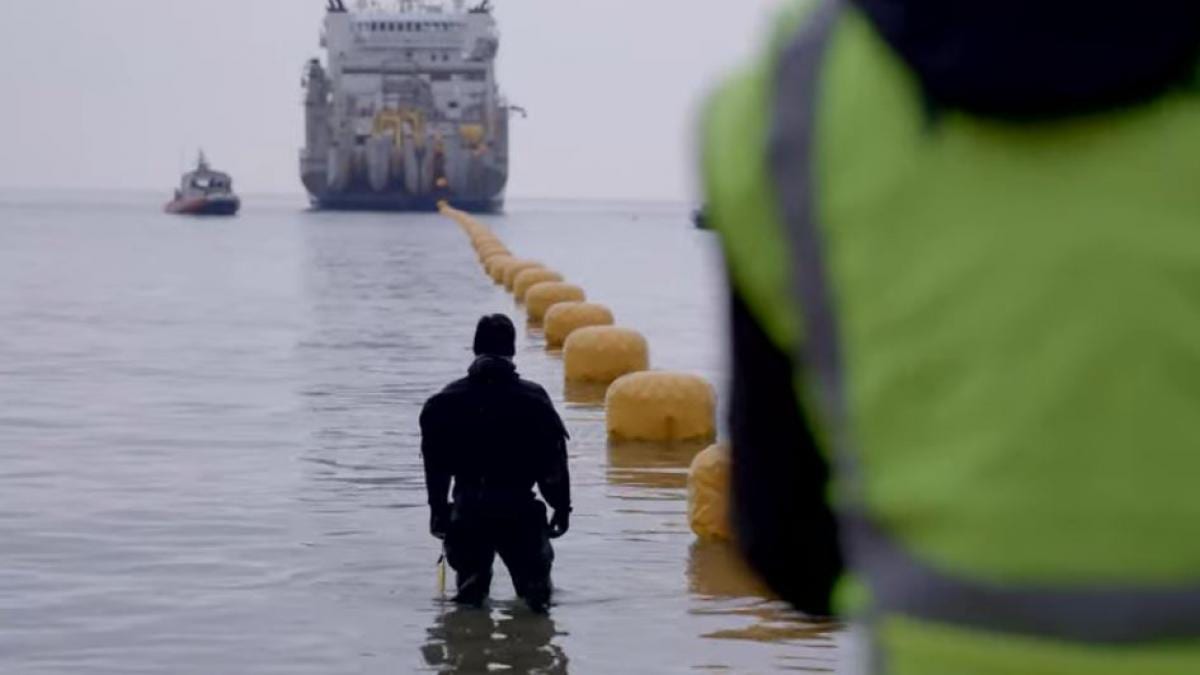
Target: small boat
(204, 192)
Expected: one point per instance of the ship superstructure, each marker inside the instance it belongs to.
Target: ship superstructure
(405, 110)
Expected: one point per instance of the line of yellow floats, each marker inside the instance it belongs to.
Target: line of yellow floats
(613, 363)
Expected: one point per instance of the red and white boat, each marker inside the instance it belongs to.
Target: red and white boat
(204, 192)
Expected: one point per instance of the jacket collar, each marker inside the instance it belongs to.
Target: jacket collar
(489, 368)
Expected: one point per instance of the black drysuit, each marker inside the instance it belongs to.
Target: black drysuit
(496, 436)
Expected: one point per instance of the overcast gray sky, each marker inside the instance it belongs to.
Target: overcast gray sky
(106, 94)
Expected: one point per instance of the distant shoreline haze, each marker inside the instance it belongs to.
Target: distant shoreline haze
(127, 96)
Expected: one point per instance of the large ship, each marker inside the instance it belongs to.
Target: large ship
(405, 111)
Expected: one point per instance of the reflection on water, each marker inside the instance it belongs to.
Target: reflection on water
(468, 641)
(717, 572)
(584, 393)
(652, 465)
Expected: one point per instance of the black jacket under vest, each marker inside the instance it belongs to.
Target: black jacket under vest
(497, 436)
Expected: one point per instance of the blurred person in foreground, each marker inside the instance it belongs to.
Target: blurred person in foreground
(964, 243)
(495, 437)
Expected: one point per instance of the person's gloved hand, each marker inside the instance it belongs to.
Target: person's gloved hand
(560, 523)
(439, 521)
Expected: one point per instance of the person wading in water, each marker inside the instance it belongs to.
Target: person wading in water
(496, 437)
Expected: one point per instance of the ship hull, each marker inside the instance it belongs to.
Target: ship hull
(400, 202)
(204, 206)
(348, 189)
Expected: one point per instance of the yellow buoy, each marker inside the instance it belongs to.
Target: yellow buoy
(567, 317)
(518, 266)
(498, 266)
(530, 278)
(660, 407)
(604, 353)
(479, 242)
(708, 493)
(488, 260)
(547, 294)
(490, 250)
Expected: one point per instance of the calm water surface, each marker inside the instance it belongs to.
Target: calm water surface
(209, 452)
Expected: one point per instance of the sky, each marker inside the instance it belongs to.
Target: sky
(114, 94)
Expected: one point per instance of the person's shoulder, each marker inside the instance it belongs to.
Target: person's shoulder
(456, 387)
(533, 390)
(538, 400)
(447, 395)
(536, 397)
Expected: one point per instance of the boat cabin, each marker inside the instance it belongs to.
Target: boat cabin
(204, 182)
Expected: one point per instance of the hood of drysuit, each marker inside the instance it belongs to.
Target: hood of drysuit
(1041, 58)
(492, 369)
